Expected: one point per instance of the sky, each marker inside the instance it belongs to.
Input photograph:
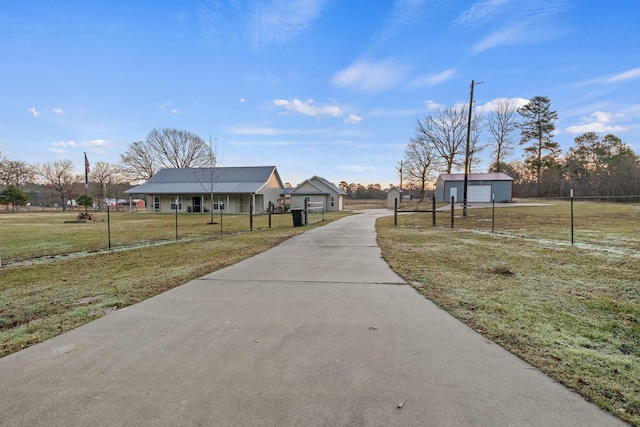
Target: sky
(332, 88)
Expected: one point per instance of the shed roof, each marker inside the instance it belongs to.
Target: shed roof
(321, 185)
(221, 180)
(492, 176)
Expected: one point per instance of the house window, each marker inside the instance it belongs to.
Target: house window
(156, 203)
(218, 203)
(333, 201)
(173, 203)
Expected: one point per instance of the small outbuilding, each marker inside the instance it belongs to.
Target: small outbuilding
(393, 194)
(320, 191)
(481, 187)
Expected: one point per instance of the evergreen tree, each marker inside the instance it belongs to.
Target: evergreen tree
(538, 126)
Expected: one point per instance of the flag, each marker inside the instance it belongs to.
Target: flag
(86, 171)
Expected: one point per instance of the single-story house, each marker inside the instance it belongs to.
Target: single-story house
(199, 190)
(481, 187)
(319, 191)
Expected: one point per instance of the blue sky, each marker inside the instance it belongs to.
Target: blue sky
(315, 87)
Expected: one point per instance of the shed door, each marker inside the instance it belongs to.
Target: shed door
(479, 193)
(453, 192)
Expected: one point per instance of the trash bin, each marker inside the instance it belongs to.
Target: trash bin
(297, 217)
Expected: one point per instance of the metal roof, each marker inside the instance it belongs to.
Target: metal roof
(492, 176)
(314, 181)
(227, 180)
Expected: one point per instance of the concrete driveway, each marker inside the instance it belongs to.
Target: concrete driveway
(315, 332)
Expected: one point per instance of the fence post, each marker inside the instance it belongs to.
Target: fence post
(572, 216)
(177, 201)
(493, 213)
(453, 206)
(433, 210)
(251, 215)
(306, 211)
(109, 226)
(270, 204)
(395, 212)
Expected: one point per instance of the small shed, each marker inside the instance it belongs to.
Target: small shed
(481, 187)
(393, 193)
(317, 190)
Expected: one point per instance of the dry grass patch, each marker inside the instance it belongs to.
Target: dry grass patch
(572, 312)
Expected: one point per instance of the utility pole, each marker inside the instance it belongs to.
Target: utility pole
(401, 163)
(466, 158)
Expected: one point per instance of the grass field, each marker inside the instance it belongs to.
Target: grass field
(36, 235)
(43, 295)
(571, 310)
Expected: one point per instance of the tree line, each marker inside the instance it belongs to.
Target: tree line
(55, 184)
(451, 139)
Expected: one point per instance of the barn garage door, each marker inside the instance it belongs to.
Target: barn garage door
(479, 193)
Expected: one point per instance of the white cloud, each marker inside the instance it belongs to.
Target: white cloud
(480, 12)
(164, 105)
(625, 75)
(280, 20)
(516, 23)
(353, 119)
(242, 100)
(599, 122)
(64, 144)
(432, 105)
(97, 143)
(58, 111)
(513, 34)
(494, 103)
(369, 76)
(308, 108)
(33, 111)
(433, 79)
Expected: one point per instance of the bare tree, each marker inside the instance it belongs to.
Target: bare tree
(445, 130)
(15, 172)
(165, 148)
(179, 148)
(139, 162)
(58, 177)
(102, 174)
(502, 123)
(420, 163)
(475, 147)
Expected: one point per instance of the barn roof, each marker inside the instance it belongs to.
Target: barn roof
(492, 176)
(225, 180)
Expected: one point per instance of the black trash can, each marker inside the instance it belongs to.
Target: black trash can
(297, 215)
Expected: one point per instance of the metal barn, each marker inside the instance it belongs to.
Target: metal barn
(481, 187)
